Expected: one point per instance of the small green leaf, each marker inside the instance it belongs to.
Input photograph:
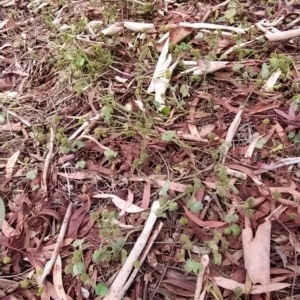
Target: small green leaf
(227, 231)
(80, 164)
(2, 211)
(231, 218)
(236, 230)
(296, 139)
(109, 154)
(123, 256)
(79, 61)
(260, 144)
(35, 187)
(265, 71)
(199, 36)
(78, 87)
(274, 62)
(165, 188)
(2, 119)
(169, 135)
(101, 255)
(166, 110)
(77, 243)
(106, 110)
(184, 90)
(195, 206)
(117, 246)
(172, 206)
(277, 148)
(230, 13)
(291, 135)
(78, 268)
(31, 175)
(217, 258)
(101, 289)
(79, 144)
(192, 266)
(237, 67)
(64, 149)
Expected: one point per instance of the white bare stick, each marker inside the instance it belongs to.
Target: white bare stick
(231, 133)
(121, 279)
(79, 130)
(47, 161)
(131, 278)
(94, 140)
(60, 238)
(283, 35)
(204, 262)
(211, 26)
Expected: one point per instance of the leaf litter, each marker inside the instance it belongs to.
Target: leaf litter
(177, 114)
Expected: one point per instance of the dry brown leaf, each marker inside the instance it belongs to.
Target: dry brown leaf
(120, 203)
(11, 127)
(257, 253)
(256, 289)
(206, 224)
(175, 186)
(7, 230)
(294, 268)
(146, 195)
(207, 129)
(79, 175)
(11, 163)
(176, 35)
(294, 242)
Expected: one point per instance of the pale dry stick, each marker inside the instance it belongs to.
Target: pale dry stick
(236, 174)
(221, 4)
(94, 140)
(274, 23)
(60, 238)
(25, 122)
(204, 262)
(231, 133)
(230, 50)
(283, 162)
(134, 272)
(79, 130)
(294, 22)
(7, 3)
(132, 1)
(121, 279)
(283, 35)
(211, 26)
(47, 161)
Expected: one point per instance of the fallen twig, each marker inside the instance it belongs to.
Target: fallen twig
(198, 294)
(118, 286)
(60, 238)
(47, 161)
(283, 35)
(134, 272)
(231, 133)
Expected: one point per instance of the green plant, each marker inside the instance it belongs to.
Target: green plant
(233, 228)
(77, 266)
(112, 247)
(223, 184)
(6, 260)
(216, 246)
